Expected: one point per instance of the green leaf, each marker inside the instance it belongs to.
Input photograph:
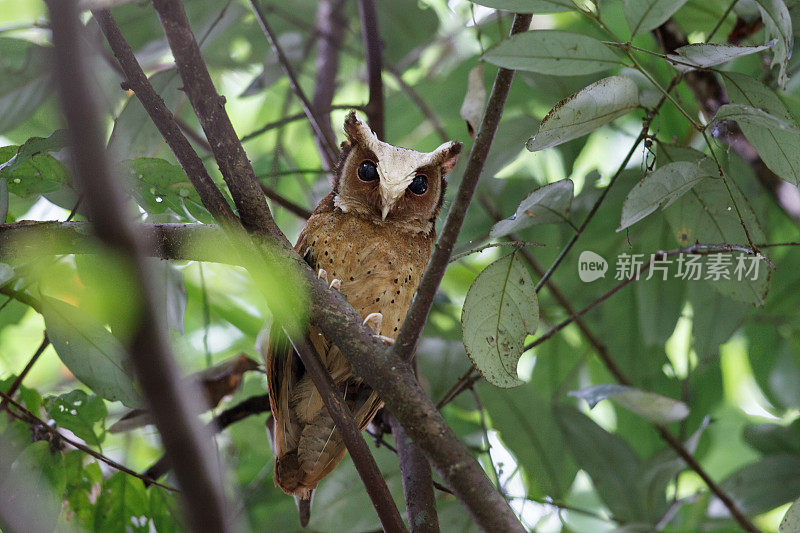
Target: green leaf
(765, 484)
(159, 185)
(42, 469)
(25, 81)
(752, 116)
(36, 146)
(500, 310)
(778, 25)
(662, 188)
(3, 201)
(773, 145)
(549, 204)
(654, 407)
(611, 463)
(791, 520)
(772, 439)
(526, 425)
(645, 15)
(79, 413)
(529, 6)
(553, 52)
(36, 175)
(585, 111)
(715, 319)
(90, 352)
(704, 55)
(6, 273)
(122, 506)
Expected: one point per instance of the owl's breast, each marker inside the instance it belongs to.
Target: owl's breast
(379, 266)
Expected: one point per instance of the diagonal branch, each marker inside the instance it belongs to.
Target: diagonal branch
(421, 306)
(331, 24)
(209, 107)
(374, 58)
(163, 119)
(32, 361)
(330, 151)
(351, 434)
(171, 402)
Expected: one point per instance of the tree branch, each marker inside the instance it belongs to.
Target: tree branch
(171, 403)
(163, 119)
(351, 434)
(331, 24)
(331, 152)
(32, 361)
(374, 59)
(209, 107)
(287, 204)
(420, 307)
(417, 482)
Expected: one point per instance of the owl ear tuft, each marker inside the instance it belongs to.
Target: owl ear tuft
(356, 131)
(447, 156)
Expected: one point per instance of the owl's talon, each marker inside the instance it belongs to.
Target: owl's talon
(336, 285)
(386, 340)
(376, 319)
(323, 274)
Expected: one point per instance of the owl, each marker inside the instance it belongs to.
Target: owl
(372, 237)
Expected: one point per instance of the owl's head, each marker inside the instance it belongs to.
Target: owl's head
(389, 184)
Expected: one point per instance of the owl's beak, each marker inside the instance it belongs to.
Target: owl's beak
(391, 191)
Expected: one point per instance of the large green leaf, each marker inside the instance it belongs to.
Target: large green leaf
(704, 55)
(549, 204)
(35, 146)
(41, 470)
(754, 117)
(90, 352)
(25, 81)
(585, 111)
(775, 146)
(765, 484)
(662, 188)
(500, 310)
(644, 15)
(35, 175)
(553, 52)
(611, 463)
(526, 425)
(529, 6)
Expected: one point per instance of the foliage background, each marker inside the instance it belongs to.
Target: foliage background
(736, 366)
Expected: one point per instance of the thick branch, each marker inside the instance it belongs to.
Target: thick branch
(331, 152)
(331, 24)
(421, 306)
(417, 482)
(351, 434)
(164, 120)
(209, 107)
(184, 438)
(374, 58)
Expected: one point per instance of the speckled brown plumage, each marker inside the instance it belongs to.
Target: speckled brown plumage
(375, 237)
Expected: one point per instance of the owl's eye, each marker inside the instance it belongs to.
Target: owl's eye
(419, 185)
(367, 171)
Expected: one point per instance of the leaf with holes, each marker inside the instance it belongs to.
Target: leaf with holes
(38, 174)
(549, 204)
(645, 15)
(500, 310)
(553, 52)
(654, 407)
(704, 55)
(585, 111)
(778, 25)
(662, 188)
(36, 146)
(529, 6)
(79, 413)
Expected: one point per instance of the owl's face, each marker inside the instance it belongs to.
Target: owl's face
(389, 184)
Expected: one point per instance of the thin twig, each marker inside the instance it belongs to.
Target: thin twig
(514, 243)
(284, 202)
(171, 402)
(32, 361)
(351, 435)
(418, 313)
(26, 416)
(293, 118)
(331, 151)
